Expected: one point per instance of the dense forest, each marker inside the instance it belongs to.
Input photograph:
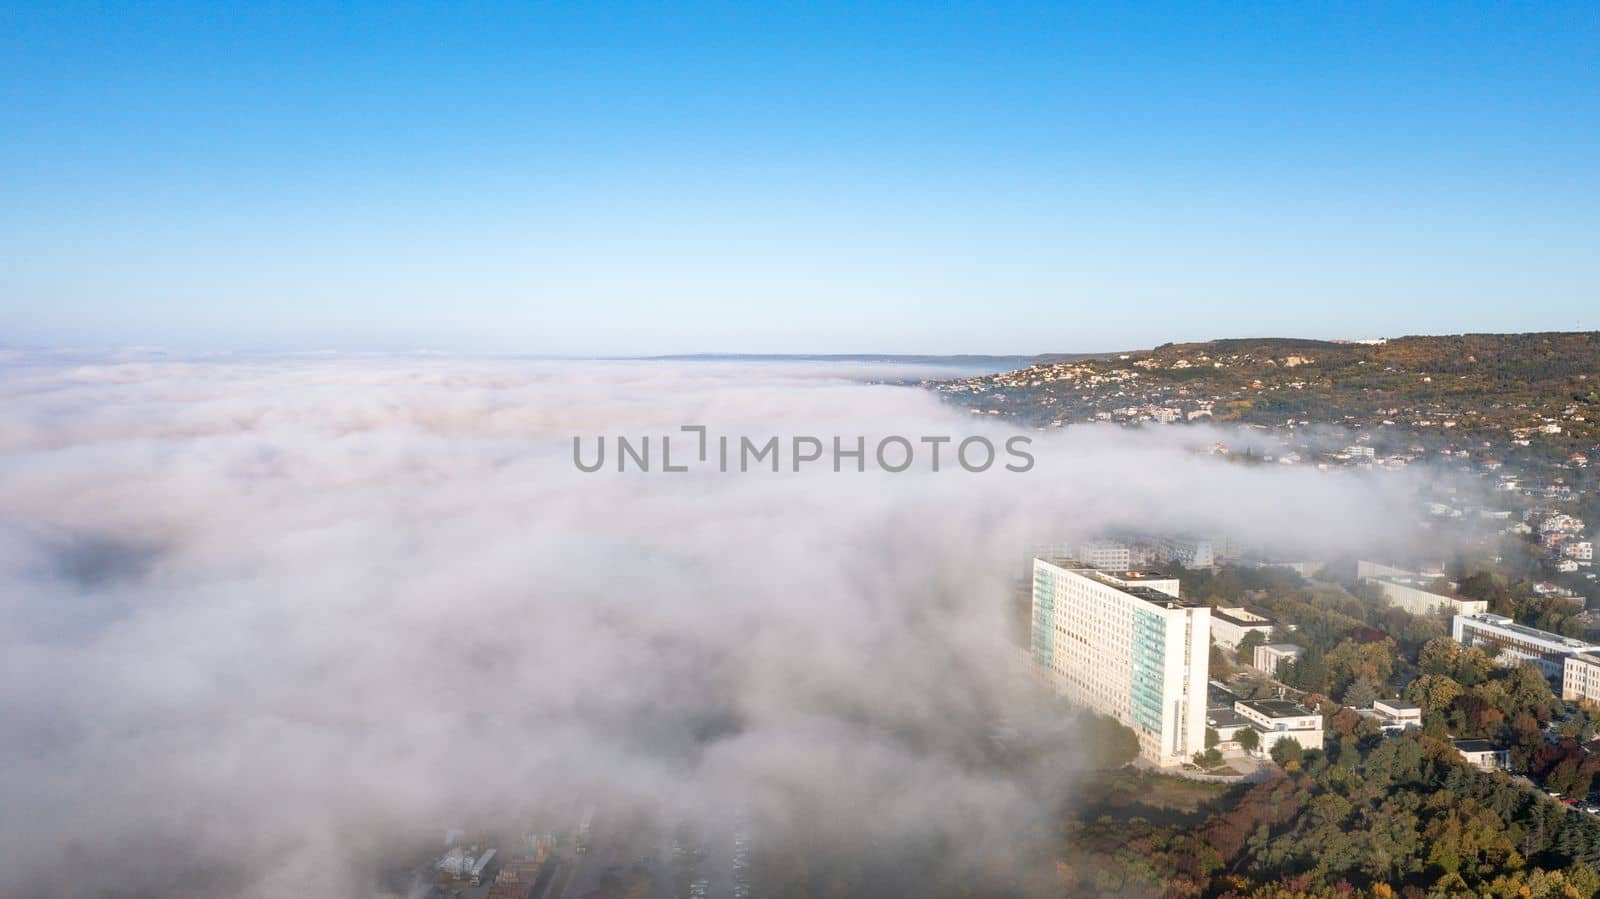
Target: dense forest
(1370, 817)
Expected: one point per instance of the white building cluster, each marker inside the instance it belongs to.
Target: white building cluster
(1273, 720)
(1563, 534)
(1276, 720)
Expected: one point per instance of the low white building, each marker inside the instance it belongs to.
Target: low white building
(1483, 754)
(1276, 720)
(1414, 595)
(1269, 656)
(1226, 722)
(1518, 643)
(1230, 625)
(1393, 716)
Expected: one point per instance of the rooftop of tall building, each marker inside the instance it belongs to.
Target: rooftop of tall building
(1127, 582)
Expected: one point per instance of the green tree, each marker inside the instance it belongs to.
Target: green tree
(1529, 690)
(1247, 646)
(1351, 661)
(1248, 739)
(1433, 692)
(1362, 694)
(1438, 656)
(1561, 778)
(1473, 666)
(1287, 750)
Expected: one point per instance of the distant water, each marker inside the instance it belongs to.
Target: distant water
(929, 366)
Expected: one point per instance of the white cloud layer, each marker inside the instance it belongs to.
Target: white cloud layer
(261, 620)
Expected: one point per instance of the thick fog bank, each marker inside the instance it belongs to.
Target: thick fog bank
(261, 620)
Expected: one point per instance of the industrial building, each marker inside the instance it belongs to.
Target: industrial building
(1127, 646)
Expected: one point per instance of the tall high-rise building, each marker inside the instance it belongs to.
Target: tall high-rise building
(1128, 648)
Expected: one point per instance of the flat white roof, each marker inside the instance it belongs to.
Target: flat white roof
(1240, 616)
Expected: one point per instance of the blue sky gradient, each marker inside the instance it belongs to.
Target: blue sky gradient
(610, 179)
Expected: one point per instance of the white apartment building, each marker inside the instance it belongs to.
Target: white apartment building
(1580, 677)
(1411, 595)
(1124, 646)
(1269, 656)
(1107, 554)
(1229, 625)
(1518, 643)
(1186, 551)
(1579, 550)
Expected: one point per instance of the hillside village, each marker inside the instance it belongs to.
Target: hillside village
(1516, 415)
(1519, 388)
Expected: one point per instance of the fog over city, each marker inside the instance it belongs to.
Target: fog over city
(267, 622)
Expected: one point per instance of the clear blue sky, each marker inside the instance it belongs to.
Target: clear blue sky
(590, 178)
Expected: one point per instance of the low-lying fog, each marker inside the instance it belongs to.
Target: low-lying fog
(263, 622)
